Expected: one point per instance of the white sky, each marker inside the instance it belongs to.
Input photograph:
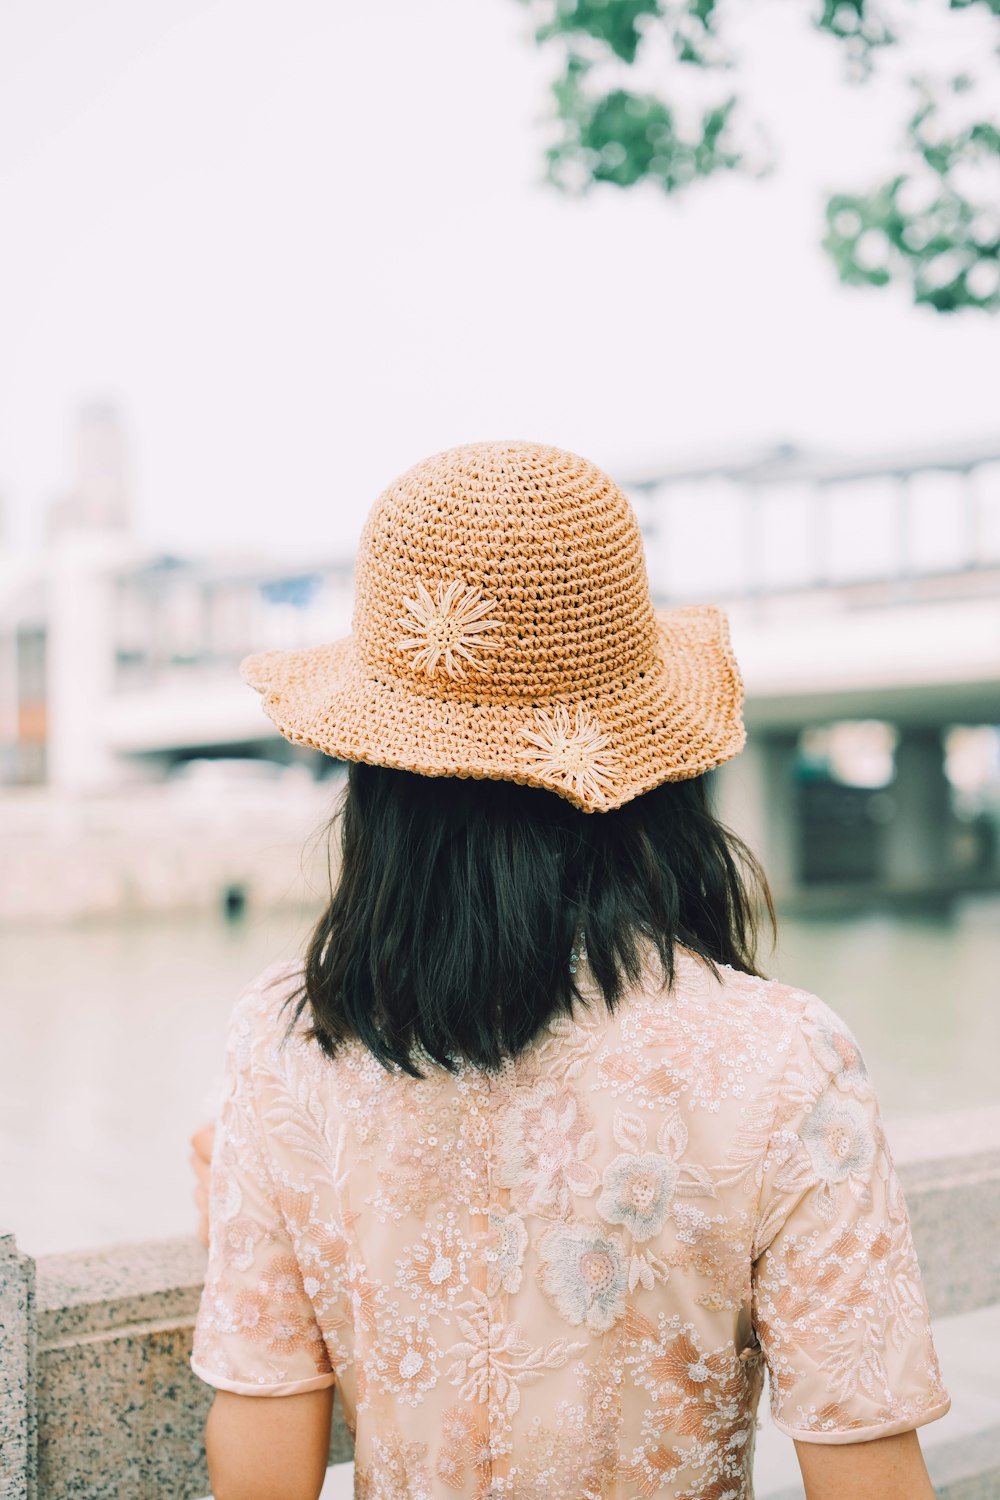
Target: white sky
(305, 243)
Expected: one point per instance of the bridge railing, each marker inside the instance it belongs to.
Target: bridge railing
(794, 523)
(97, 1401)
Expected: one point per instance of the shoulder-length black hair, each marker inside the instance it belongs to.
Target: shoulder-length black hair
(453, 923)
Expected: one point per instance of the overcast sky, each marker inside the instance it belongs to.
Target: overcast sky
(303, 244)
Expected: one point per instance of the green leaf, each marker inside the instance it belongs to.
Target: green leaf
(614, 23)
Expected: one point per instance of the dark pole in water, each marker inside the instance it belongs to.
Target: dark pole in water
(234, 903)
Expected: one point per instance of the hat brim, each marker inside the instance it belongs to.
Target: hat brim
(679, 719)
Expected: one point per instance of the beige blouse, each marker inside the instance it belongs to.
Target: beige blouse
(566, 1281)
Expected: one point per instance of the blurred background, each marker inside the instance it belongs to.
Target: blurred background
(258, 259)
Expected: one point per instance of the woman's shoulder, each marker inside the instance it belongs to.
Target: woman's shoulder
(264, 1008)
(813, 1035)
(720, 1003)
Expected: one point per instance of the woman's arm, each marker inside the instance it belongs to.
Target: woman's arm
(268, 1447)
(888, 1468)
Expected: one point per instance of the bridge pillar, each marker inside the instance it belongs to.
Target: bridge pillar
(755, 795)
(918, 837)
(81, 663)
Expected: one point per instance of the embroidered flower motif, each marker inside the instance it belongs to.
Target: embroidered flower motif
(507, 1242)
(544, 1141)
(650, 1469)
(295, 1204)
(447, 629)
(450, 1468)
(584, 1273)
(570, 752)
(462, 1442)
(433, 1270)
(235, 1243)
(271, 1311)
(698, 1388)
(406, 1359)
(459, 1429)
(838, 1136)
(637, 1192)
(837, 1050)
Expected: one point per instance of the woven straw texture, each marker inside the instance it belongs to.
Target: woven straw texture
(503, 628)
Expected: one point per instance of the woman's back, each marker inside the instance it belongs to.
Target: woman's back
(543, 1220)
(551, 1281)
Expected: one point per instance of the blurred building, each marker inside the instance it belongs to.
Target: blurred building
(117, 661)
(99, 499)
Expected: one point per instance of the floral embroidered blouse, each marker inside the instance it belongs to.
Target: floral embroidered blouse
(566, 1281)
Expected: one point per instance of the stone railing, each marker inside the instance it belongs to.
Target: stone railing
(97, 1401)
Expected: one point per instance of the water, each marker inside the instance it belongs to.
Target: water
(112, 1040)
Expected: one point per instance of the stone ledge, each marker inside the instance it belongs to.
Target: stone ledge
(94, 1290)
(954, 1207)
(121, 1413)
(17, 1363)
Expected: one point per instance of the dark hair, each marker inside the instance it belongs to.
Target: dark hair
(450, 933)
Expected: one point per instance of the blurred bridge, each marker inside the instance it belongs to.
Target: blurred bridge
(865, 591)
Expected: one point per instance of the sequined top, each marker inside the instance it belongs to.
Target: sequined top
(566, 1280)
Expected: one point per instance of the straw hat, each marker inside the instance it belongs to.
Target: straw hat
(503, 629)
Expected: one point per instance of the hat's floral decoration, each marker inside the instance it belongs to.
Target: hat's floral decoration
(446, 630)
(570, 752)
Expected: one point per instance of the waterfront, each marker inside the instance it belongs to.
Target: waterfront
(113, 1033)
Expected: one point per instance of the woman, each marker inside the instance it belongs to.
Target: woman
(527, 1159)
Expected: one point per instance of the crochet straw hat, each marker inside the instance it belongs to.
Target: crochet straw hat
(503, 628)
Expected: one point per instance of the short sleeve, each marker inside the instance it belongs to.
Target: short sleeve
(839, 1306)
(256, 1332)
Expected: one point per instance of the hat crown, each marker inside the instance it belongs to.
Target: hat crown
(509, 572)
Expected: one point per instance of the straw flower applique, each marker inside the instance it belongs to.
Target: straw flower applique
(572, 752)
(446, 630)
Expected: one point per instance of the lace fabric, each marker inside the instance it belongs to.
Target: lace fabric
(567, 1280)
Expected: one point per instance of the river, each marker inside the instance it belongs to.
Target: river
(112, 1041)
